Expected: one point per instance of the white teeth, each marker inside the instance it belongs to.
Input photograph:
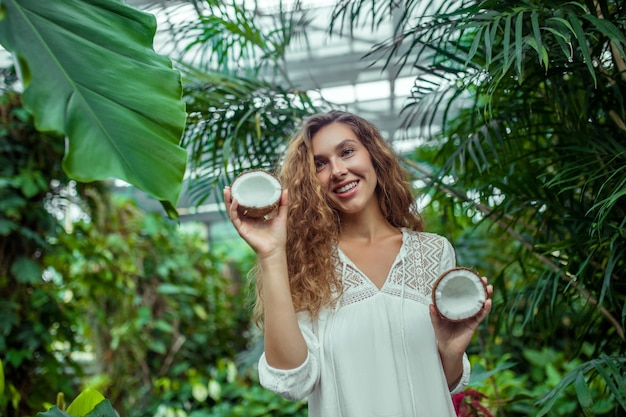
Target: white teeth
(346, 187)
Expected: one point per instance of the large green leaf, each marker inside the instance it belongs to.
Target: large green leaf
(101, 409)
(90, 71)
(85, 402)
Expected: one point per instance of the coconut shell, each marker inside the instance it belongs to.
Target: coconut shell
(462, 300)
(255, 211)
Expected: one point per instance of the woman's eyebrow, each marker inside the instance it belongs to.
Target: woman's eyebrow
(339, 146)
(344, 142)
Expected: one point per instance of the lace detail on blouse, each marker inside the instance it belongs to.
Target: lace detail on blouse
(412, 275)
(356, 287)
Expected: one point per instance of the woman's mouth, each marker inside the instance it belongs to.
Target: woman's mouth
(345, 188)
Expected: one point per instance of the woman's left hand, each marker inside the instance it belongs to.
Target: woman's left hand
(454, 337)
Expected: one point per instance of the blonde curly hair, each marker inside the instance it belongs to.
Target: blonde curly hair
(313, 226)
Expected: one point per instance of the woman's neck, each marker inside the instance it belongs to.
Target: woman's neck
(365, 227)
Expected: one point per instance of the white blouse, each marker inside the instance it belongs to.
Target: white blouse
(374, 354)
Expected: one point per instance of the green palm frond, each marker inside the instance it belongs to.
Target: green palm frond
(237, 38)
(611, 370)
(236, 124)
(239, 118)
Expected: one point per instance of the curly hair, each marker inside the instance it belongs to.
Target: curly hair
(313, 225)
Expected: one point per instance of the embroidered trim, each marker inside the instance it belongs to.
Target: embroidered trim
(419, 258)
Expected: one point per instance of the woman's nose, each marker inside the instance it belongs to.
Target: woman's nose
(339, 169)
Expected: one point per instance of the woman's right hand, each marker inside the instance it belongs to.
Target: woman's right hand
(265, 237)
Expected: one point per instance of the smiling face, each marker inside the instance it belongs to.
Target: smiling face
(344, 168)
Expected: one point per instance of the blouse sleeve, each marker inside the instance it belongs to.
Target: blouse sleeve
(460, 386)
(448, 257)
(448, 261)
(298, 383)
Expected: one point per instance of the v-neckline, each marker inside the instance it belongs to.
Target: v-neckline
(365, 277)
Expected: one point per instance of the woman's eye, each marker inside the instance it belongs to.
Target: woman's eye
(347, 152)
(319, 165)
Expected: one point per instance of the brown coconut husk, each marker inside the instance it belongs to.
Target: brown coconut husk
(443, 276)
(252, 211)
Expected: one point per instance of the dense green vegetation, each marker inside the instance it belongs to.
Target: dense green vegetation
(115, 299)
(36, 335)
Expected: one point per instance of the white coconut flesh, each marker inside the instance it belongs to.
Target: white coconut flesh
(459, 294)
(257, 193)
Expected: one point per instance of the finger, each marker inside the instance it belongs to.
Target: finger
(227, 196)
(283, 206)
(435, 317)
(284, 198)
(432, 309)
(484, 311)
(232, 209)
(488, 287)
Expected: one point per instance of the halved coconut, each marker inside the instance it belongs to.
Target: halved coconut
(257, 192)
(459, 294)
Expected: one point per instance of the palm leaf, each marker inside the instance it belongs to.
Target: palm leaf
(235, 38)
(239, 117)
(611, 369)
(236, 124)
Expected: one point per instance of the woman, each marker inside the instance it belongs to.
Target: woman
(344, 279)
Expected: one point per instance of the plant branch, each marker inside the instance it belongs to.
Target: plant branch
(167, 362)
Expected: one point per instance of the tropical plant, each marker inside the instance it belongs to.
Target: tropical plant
(36, 336)
(89, 72)
(242, 107)
(227, 391)
(89, 403)
(154, 305)
(117, 300)
(513, 388)
(523, 102)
